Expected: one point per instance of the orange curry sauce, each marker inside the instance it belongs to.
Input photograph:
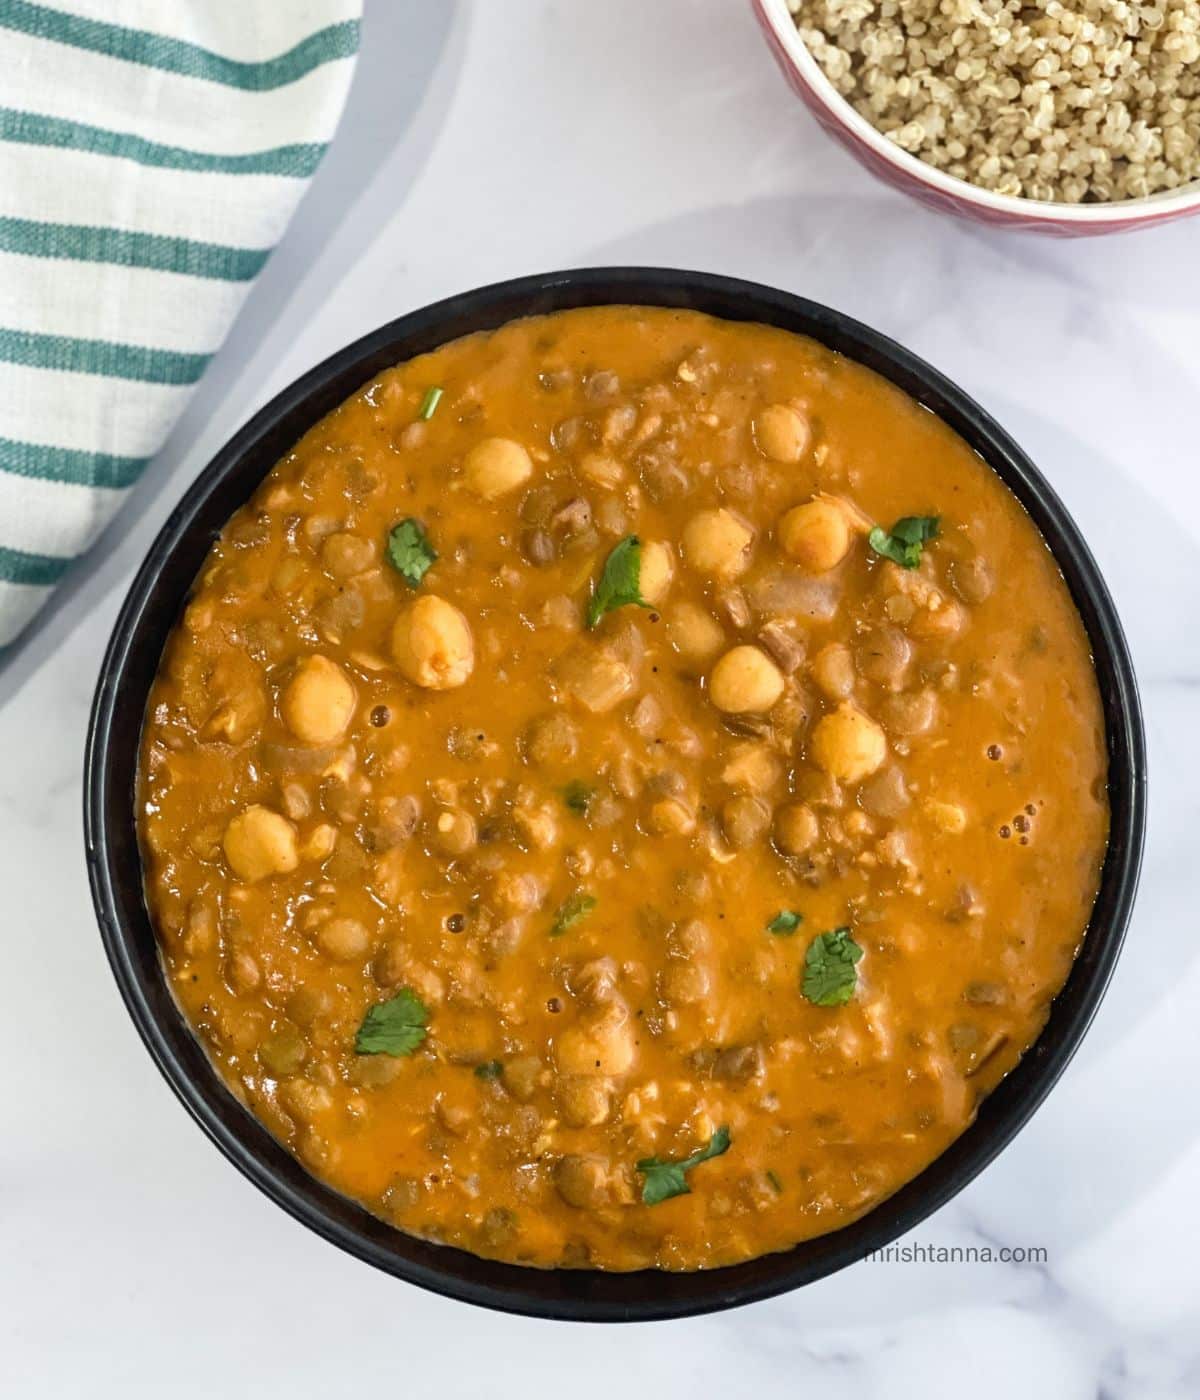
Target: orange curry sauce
(551, 855)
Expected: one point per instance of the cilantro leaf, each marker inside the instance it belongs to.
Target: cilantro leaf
(578, 796)
(490, 1069)
(620, 582)
(574, 908)
(665, 1178)
(429, 404)
(829, 974)
(393, 1027)
(785, 923)
(904, 542)
(409, 551)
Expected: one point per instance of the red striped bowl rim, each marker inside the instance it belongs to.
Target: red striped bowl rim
(934, 187)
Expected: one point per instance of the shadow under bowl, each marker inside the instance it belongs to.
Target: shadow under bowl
(154, 604)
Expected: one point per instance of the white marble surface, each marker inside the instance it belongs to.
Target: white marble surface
(490, 139)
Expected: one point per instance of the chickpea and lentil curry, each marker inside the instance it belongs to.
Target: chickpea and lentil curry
(623, 791)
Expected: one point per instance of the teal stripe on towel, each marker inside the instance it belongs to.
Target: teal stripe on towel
(40, 570)
(70, 466)
(178, 55)
(33, 129)
(104, 357)
(155, 251)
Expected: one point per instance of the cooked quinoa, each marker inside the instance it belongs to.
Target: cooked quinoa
(1086, 102)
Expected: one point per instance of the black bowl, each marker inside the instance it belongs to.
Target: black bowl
(114, 863)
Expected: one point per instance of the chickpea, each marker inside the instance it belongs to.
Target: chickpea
(515, 892)
(694, 633)
(201, 929)
(344, 554)
(259, 842)
(796, 829)
(833, 670)
(496, 466)
(584, 1103)
(683, 983)
(455, 1118)
(671, 817)
(598, 1048)
(453, 833)
(238, 718)
(427, 984)
(320, 843)
(941, 623)
(781, 433)
(694, 939)
(390, 875)
(432, 644)
(595, 983)
(602, 470)
(537, 826)
(848, 745)
(745, 820)
(198, 616)
(243, 973)
(304, 1099)
(343, 939)
(745, 681)
(598, 680)
(815, 535)
(657, 568)
(752, 766)
(611, 516)
(318, 703)
(718, 542)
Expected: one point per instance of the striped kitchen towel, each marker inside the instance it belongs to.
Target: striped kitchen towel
(151, 155)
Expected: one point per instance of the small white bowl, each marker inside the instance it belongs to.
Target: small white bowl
(934, 187)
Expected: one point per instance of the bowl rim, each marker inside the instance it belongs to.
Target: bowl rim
(151, 609)
(1142, 209)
